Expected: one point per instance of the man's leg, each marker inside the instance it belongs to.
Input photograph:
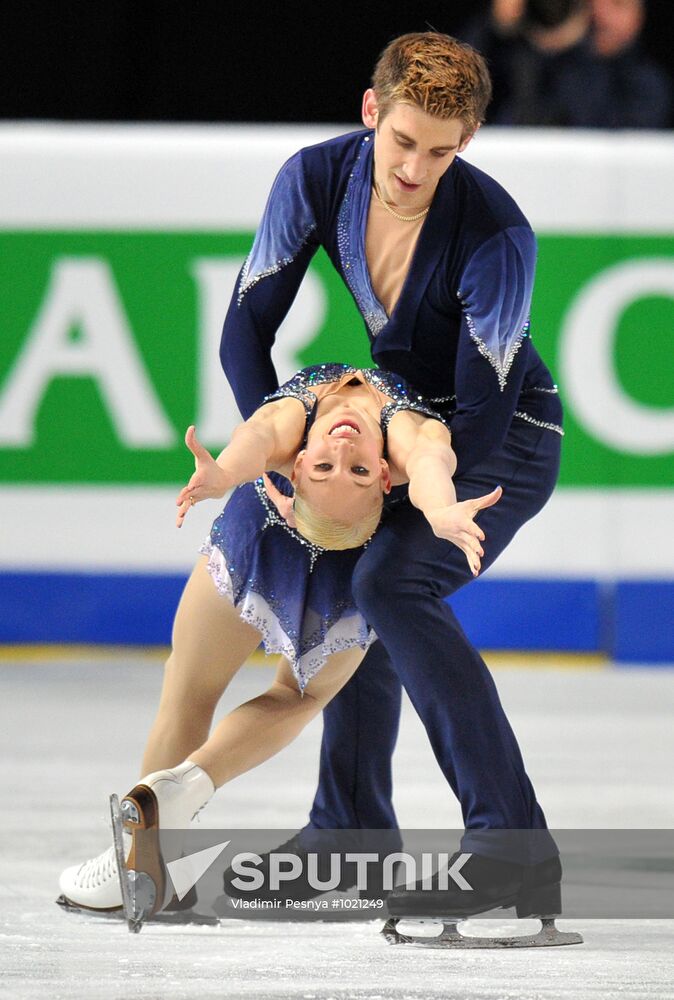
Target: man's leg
(400, 585)
(350, 780)
(360, 728)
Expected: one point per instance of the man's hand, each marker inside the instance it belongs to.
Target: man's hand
(456, 524)
(208, 482)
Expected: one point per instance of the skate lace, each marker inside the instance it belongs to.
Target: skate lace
(97, 871)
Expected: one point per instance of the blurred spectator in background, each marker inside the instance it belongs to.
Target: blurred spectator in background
(640, 89)
(572, 63)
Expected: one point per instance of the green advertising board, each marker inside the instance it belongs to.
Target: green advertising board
(100, 357)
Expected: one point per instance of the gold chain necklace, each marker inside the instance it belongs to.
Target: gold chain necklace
(396, 215)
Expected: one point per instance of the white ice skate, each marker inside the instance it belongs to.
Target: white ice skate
(163, 800)
(93, 885)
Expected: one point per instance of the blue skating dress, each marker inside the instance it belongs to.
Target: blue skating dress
(297, 594)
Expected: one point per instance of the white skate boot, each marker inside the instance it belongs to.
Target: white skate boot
(93, 885)
(167, 799)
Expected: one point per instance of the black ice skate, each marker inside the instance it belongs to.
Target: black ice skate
(534, 891)
(300, 889)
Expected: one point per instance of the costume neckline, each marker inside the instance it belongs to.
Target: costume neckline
(395, 331)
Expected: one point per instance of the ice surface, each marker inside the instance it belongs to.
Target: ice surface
(599, 747)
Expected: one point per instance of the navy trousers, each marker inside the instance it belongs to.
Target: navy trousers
(400, 585)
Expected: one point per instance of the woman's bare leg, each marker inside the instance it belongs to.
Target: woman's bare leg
(210, 643)
(258, 729)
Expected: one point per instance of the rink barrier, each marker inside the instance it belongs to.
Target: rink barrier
(627, 621)
(122, 256)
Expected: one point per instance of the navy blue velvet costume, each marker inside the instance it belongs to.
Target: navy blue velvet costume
(297, 594)
(460, 333)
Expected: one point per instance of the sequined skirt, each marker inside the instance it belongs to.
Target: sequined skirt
(296, 594)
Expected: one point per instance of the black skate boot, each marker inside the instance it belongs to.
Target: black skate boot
(300, 888)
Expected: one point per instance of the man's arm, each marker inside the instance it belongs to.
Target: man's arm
(285, 242)
(493, 350)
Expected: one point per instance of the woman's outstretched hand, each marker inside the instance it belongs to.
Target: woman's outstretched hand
(456, 524)
(208, 482)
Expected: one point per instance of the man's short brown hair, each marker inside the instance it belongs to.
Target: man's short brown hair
(435, 72)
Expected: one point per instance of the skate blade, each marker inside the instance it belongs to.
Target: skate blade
(116, 914)
(112, 912)
(139, 892)
(450, 937)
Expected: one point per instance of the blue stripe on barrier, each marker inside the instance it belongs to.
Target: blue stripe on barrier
(531, 614)
(134, 609)
(643, 627)
(630, 621)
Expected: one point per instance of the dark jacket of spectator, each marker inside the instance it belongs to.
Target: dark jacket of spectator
(572, 87)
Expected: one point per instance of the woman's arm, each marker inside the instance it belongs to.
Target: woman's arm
(430, 465)
(423, 448)
(267, 440)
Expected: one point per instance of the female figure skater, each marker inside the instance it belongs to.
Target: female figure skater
(282, 564)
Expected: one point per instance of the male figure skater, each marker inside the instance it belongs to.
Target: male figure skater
(440, 261)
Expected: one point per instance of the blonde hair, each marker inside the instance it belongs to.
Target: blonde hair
(331, 534)
(435, 72)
